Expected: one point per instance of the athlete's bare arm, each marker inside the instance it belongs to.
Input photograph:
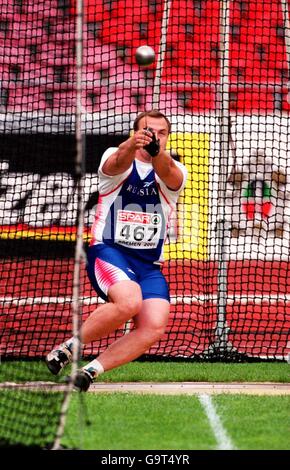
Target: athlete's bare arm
(163, 164)
(167, 170)
(122, 159)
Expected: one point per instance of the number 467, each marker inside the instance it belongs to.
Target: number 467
(138, 232)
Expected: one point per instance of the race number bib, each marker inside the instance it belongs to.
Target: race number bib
(138, 229)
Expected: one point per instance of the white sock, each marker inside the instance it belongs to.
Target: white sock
(94, 367)
(70, 343)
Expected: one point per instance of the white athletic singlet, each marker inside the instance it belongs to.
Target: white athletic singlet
(134, 210)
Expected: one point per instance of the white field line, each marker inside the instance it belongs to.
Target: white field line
(223, 440)
(175, 299)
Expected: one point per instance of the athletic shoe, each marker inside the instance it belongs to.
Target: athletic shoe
(83, 379)
(58, 358)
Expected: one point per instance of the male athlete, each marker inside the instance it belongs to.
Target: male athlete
(139, 185)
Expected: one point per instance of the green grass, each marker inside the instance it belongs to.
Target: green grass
(256, 422)
(146, 422)
(127, 421)
(123, 421)
(199, 372)
(161, 372)
(29, 417)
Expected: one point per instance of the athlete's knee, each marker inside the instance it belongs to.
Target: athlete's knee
(158, 332)
(153, 333)
(129, 307)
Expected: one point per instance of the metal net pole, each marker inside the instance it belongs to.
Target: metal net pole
(79, 252)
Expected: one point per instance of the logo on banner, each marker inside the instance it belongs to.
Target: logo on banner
(43, 206)
(257, 198)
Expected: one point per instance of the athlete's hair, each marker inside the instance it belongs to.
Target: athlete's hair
(153, 113)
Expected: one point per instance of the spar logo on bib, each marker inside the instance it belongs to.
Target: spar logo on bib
(138, 217)
(134, 217)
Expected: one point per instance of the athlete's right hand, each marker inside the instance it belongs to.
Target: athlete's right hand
(141, 138)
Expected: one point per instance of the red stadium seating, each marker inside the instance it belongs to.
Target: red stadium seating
(14, 55)
(6, 75)
(100, 55)
(286, 103)
(36, 74)
(169, 102)
(64, 101)
(200, 99)
(122, 101)
(252, 100)
(21, 99)
(42, 9)
(37, 50)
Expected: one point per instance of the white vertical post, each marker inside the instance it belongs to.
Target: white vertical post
(222, 229)
(161, 54)
(79, 163)
(79, 170)
(286, 24)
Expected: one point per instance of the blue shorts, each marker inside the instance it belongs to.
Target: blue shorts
(108, 265)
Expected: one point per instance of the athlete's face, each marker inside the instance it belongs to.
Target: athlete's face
(159, 126)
